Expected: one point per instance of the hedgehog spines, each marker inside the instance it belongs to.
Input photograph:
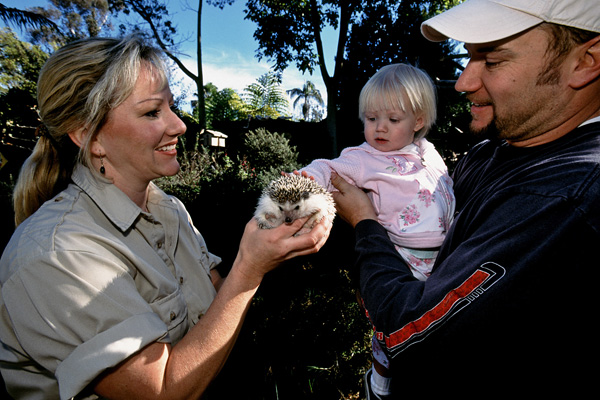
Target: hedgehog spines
(292, 188)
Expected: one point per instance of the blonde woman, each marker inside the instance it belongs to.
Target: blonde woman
(107, 287)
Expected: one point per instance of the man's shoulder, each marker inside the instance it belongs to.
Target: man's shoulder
(568, 167)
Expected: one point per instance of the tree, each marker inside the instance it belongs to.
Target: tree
(265, 98)
(390, 31)
(20, 63)
(83, 18)
(304, 43)
(156, 15)
(74, 19)
(24, 19)
(223, 105)
(308, 95)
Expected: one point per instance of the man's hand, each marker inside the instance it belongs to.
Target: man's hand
(352, 204)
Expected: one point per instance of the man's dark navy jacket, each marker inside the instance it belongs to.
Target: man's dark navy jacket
(512, 297)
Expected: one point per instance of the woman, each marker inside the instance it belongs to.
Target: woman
(108, 289)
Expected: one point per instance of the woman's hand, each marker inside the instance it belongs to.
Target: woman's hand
(352, 204)
(262, 250)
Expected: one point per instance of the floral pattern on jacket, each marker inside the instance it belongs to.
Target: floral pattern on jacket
(410, 189)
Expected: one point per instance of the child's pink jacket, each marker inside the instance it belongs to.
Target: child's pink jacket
(410, 189)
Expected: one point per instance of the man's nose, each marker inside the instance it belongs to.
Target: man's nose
(469, 80)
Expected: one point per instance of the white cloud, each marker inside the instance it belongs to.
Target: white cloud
(227, 68)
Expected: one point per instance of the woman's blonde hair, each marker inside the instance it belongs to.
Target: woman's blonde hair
(386, 90)
(77, 87)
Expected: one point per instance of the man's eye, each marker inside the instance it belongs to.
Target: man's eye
(491, 64)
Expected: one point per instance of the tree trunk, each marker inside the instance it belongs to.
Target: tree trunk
(331, 82)
(192, 142)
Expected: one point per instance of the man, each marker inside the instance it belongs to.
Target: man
(511, 302)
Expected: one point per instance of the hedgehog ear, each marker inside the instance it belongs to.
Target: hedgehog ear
(305, 195)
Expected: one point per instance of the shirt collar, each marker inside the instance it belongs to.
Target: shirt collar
(115, 204)
(409, 149)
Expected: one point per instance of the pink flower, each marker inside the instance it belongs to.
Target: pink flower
(410, 215)
(426, 196)
(402, 165)
(444, 223)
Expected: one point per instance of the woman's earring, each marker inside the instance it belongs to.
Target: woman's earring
(102, 169)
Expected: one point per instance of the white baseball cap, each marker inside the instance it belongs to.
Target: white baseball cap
(482, 21)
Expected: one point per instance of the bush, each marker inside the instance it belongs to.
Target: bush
(305, 337)
(268, 154)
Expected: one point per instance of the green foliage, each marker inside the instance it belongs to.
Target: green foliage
(223, 105)
(196, 167)
(283, 45)
(72, 20)
(264, 156)
(24, 19)
(265, 97)
(154, 13)
(20, 63)
(220, 3)
(303, 45)
(269, 154)
(305, 334)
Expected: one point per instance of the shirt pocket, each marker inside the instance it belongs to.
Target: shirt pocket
(172, 310)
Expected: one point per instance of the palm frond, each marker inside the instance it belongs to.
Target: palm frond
(24, 19)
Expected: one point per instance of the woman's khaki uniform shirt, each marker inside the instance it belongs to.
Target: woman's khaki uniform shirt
(90, 279)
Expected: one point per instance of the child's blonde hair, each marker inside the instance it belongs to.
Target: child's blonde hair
(387, 88)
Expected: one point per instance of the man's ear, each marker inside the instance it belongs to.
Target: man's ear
(587, 66)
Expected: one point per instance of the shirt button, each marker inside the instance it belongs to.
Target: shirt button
(181, 280)
(200, 316)
(173, 315)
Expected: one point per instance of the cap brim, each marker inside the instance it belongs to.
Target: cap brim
(477, 21)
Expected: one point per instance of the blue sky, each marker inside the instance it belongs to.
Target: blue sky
(228, 47)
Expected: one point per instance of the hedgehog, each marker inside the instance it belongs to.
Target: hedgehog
(291, 197)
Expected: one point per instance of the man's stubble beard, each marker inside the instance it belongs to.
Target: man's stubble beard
(490, 131)
(509, 127)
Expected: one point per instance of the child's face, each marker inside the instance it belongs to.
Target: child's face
(388, 130)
